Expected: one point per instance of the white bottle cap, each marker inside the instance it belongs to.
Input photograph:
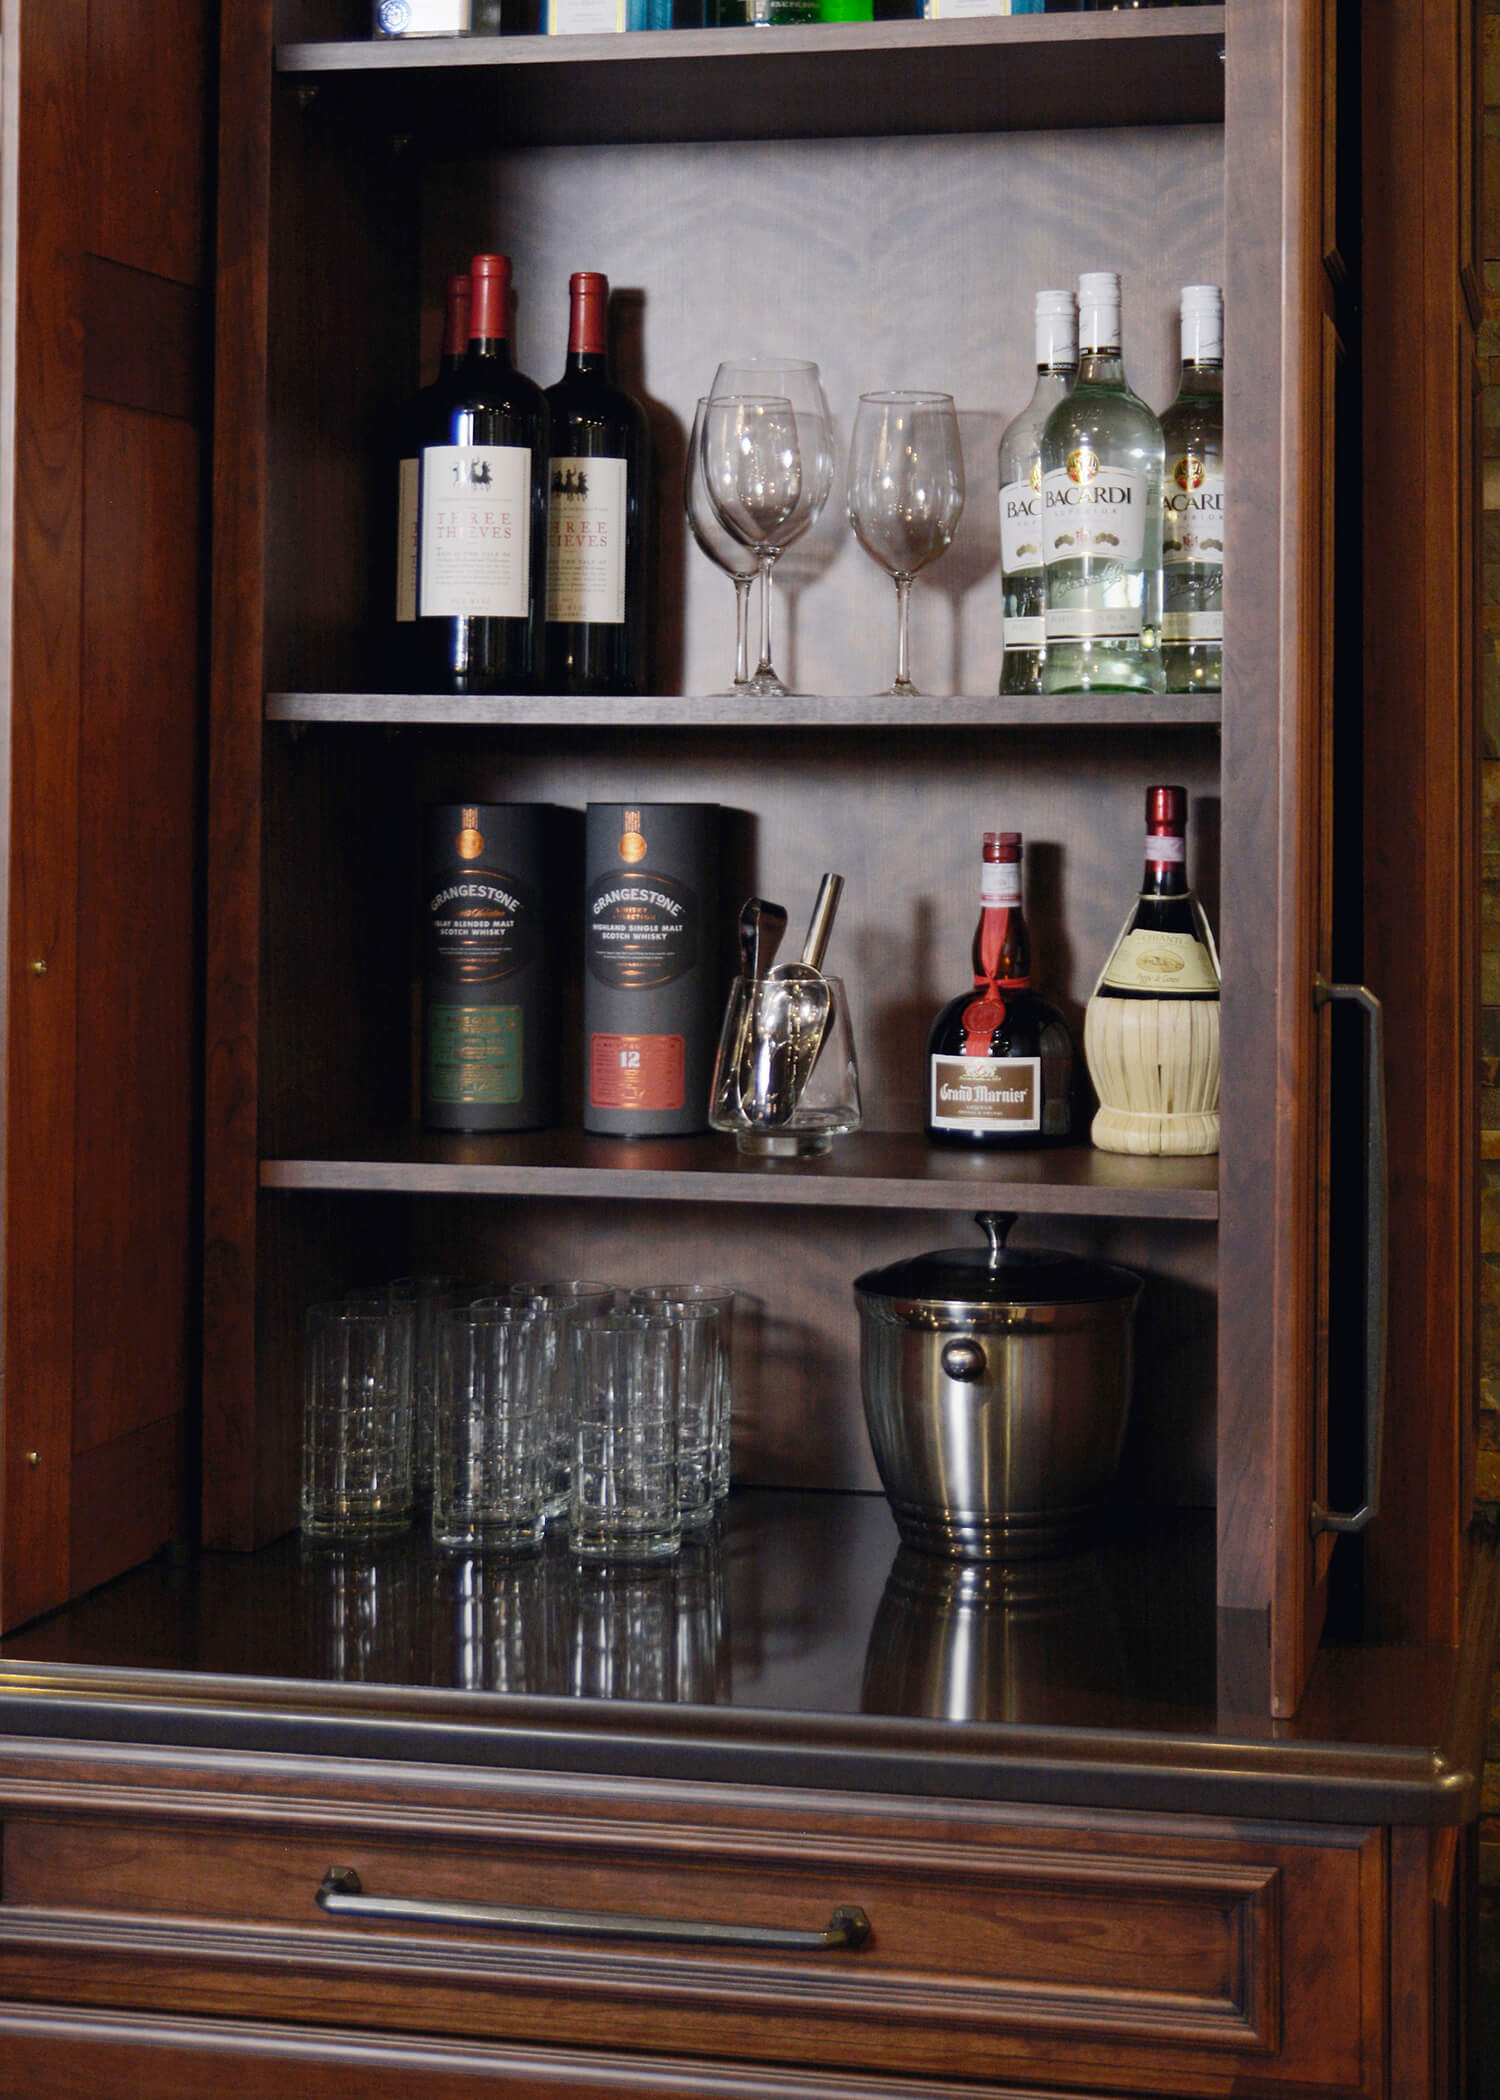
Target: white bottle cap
(1202, 324)
(1056, 328)
(1099, 310)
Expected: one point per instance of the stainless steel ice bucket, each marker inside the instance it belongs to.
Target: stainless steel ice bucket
(996, 1387)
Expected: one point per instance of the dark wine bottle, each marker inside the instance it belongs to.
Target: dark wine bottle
(1000, 1059)
(1165, 949)
(598, 500)
(481, 580)
(425, 414)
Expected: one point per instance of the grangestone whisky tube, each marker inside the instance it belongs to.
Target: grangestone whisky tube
(651, 989)
(489, 1052)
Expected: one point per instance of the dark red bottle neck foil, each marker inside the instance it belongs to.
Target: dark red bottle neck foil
(489, 298)
(589, 314)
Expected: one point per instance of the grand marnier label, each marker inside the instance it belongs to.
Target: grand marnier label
(1160, 963)
(985, 1093)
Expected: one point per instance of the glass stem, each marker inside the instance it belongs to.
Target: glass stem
(742, 629)
(903, 604)
(765, 668)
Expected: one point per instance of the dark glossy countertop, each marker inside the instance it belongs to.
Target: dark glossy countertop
(798, 1643)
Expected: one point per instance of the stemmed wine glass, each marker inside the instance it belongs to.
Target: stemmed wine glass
(906, 493)
(720, 545)
(796, 380)
(752, 470)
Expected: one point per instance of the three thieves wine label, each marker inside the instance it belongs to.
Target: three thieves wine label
(651, 991)
(488, 1027)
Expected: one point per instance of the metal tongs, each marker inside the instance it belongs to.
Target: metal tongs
(788, 1014)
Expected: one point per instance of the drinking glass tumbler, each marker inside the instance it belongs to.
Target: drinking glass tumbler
(705, 1395)
(623, 1498)
(492, 1426)
(356, 1418)
(558, 1305)
(425, 1295)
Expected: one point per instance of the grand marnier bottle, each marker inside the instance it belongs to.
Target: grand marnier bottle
(1000, 1062)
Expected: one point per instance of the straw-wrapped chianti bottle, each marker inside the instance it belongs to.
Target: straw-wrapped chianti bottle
(1151, 1030)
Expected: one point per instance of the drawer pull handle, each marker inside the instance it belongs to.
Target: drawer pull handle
(341, 1894)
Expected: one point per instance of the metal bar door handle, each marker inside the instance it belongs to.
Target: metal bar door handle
(1377, 1226)
(341, 1894)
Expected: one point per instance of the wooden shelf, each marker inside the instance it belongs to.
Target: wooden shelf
(729, 711)
(993, 73)
(871, 1171)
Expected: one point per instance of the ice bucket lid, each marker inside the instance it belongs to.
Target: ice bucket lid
(1000, 1275)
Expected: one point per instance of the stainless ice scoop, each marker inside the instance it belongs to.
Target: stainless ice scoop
(790, 1020)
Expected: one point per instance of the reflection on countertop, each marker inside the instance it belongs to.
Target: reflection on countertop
(793, 1602)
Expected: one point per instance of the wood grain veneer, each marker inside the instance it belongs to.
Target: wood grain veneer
(1421, 843)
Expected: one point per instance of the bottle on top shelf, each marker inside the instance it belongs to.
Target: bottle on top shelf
(1101, 515)
(1151, 1029)
(1192, 620)
(1000, 1059)
(1020, 465)
(425, 414)
(598, 487)
(481, 583)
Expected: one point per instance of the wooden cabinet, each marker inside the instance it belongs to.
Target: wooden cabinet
(714, 177)
(1073, 1950)
(1237, 1861)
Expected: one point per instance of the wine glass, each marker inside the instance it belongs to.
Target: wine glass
(794, 379)
(720, 545)
(906, 493)
(752, 470)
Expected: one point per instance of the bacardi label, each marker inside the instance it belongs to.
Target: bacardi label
(1192, 504)
(1021, 524)
(985, 1093)
(476, 532)
(1094, 510)
(1165, 964)
(586, 541)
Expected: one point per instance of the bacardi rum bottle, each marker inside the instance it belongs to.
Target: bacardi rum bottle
(1192, 542)
(1101, 516)
(1021, 493)
(1000, 1059)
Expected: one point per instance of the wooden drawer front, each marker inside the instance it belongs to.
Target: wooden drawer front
(1095, 1964)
